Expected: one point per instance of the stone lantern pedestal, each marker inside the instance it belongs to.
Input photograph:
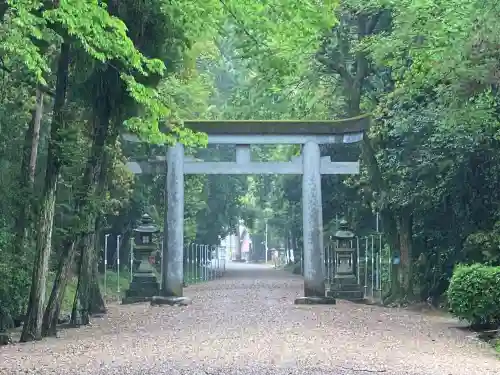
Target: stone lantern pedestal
(144, 285)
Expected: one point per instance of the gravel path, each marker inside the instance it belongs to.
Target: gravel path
(247, 324)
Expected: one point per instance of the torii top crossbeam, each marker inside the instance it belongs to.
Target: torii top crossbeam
(280, 127)
(280, 131)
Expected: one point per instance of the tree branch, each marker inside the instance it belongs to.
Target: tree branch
(372, 23)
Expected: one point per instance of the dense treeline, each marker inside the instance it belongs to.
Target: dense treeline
(78, 74)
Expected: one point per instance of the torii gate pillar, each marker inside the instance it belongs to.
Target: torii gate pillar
(173, 252)
(312, 216)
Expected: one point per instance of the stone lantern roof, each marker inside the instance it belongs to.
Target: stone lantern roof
(343, 233)
(147, 225)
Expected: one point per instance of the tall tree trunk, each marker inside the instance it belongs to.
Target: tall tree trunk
(36, 135)
(32, 329)
(97, 306)
(94, 188)
(3, 8)
(392, 236)
(406, 249)
(74, 310)
(85, 206)
(90, 296)
(51, 315)
(85, 274)
(24, 219)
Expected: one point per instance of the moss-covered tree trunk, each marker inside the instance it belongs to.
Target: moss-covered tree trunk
(97, 304)
(32, 329)
(53, 309)
(108, 85)
(24, 219)
(83, 228)
(85, 274)
(74, 319)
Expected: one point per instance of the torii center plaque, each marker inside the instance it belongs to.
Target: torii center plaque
(243, 134)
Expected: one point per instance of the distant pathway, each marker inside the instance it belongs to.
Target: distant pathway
(247, 324)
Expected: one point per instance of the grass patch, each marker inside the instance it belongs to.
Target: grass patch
(111, 293)
(115, 286)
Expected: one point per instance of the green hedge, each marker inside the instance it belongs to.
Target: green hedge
(474, 294)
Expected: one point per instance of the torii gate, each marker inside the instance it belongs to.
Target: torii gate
(243, 134)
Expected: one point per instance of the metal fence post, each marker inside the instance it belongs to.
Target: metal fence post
(106, 236)
(196, 263)
(372, 264)
(193, 275)
(131, 257)
(209, 262)
(213, 253)
(378, 273)
(187, 271)
(383, 278)
(118, 263)
(366, 266)
(357, 261)
(325, 264)
(219, 254)
(185, 264)
(203, 262)
(223, 259)
(161, 264)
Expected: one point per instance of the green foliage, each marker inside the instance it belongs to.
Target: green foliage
(483, 246)
(103, 37)
(474, 294)
(16, 278)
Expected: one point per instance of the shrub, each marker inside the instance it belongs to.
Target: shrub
(474, 294)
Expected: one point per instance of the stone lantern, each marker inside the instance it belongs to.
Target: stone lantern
(346, 282)
(144, 283)
(345, 259)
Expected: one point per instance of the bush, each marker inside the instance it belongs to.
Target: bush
(474, 294)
